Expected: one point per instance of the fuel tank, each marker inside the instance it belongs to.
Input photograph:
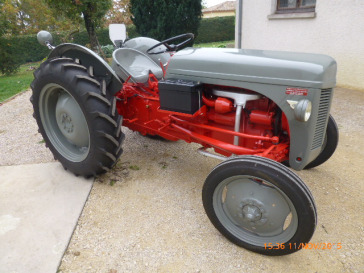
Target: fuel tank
(208, 65)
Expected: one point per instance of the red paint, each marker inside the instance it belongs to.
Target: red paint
(261, 117)
(208, 102)
(296, 91)
(212, 126)
(223, 105)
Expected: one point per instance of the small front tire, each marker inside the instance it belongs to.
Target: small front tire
(260, 205)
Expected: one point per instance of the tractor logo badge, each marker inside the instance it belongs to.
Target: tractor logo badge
(296, 91)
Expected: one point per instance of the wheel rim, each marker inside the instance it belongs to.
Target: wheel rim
(254, 210)
(64, 123)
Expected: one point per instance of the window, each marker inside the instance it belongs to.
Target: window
(292, 9)
(295, 6)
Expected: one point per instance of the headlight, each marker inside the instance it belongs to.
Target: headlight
(302, 111)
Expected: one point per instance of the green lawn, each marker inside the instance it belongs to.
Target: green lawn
(14, 84)
(215, 44)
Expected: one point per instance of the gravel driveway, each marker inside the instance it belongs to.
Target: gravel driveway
(146, 214)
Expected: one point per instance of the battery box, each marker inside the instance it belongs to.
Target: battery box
(180, 96)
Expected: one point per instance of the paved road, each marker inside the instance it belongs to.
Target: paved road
(39, 208)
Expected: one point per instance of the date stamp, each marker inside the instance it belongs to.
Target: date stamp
(321, 246)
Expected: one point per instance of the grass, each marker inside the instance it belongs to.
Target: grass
(215, 44)
(14, 84)
(134, 168)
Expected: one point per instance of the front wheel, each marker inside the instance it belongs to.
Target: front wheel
(260, 205)
(76, 116)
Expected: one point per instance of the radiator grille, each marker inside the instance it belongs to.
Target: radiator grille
(323, 113)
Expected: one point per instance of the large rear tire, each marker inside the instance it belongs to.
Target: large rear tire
(260, 205)
(77, 117)
(330, 144)
(328, 148)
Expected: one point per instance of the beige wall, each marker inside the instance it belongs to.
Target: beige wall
(336, 30)
(218, 14)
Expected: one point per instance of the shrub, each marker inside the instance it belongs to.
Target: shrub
(164, 19)
(216, 29)
(9, 61)
(108, 50)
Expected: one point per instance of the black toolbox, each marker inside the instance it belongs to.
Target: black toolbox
(180, 96)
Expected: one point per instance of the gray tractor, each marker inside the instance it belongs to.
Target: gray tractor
(260, 112)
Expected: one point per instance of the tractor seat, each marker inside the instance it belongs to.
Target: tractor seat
(130, 62)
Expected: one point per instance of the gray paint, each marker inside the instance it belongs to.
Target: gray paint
(44, 38)
(143, 44)
(130, 62)
(256, 66)
(89, 58)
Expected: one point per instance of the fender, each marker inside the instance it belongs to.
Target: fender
(88, 58)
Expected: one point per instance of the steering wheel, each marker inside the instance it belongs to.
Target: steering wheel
(187, 36)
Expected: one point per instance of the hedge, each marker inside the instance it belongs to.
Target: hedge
(27, 49)
(9, 60)
(216, 29)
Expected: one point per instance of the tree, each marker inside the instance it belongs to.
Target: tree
(8, 63)
(3, 21)
(30, 16)
(161, 19)
(6, 14)
(19, 17)
(92, 12)
(120, 13)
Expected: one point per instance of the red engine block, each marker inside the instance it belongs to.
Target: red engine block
(263, 127)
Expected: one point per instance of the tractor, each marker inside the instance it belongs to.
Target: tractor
(262, 113)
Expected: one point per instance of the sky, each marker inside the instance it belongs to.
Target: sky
(210, 3)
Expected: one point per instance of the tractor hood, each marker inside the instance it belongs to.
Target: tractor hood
(209, 65)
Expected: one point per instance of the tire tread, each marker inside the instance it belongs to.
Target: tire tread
(99, 108)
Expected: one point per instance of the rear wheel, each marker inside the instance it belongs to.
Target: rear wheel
(330, 143)
(328, 148)
(260, 205)
(76, 117)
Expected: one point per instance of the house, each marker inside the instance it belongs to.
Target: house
(224, 9)
(328, 27)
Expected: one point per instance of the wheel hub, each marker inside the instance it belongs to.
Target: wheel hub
(66, 121)
(254, 206)
(253, 212)
(71, 121)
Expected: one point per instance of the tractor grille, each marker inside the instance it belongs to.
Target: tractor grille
(323, 113)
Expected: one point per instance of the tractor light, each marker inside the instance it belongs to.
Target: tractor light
(302, 110)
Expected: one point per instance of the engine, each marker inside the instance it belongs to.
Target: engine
(230, 120)
(246, 112)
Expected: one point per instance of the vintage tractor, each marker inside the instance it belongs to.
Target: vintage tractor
(253, 109)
